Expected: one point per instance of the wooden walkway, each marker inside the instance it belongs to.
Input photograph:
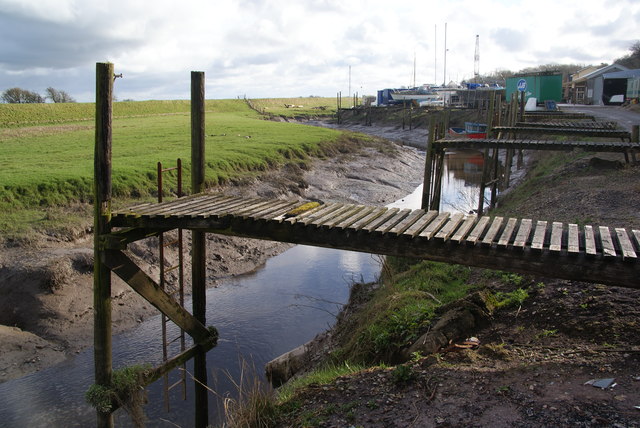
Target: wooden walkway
(494, 143)
(569, 124)
(559, 130)
(547, 248)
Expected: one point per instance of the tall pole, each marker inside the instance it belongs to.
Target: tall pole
(444, 78)
(199, 253)
(101, 225)
(435, 54)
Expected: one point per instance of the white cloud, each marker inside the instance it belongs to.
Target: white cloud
(282, 48)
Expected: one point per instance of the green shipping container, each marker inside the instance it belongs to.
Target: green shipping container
(542, 87)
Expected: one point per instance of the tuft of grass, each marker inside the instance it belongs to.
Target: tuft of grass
(126, 390)
(322, 375)
(401, 310)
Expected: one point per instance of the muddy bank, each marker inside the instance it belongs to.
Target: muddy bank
(46, 311)
(416, 137)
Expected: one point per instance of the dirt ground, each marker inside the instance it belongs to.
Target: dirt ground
(534, 363)
(46, 297)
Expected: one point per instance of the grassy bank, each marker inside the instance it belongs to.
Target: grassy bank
(47, 160)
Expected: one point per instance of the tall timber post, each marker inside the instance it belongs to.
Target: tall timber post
(198, 264)
(102, 217)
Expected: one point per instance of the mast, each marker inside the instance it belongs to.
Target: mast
(435, 52)
(444, 78)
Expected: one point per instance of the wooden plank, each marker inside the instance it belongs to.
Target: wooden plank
(636, 235)
(451, 226)
(608, 249)
(407, 222)
(421, 223)
(258, 206)
(555, 244)
(538, 236)
(354, 219)
(433, 227)
(373, 225)
(164, 207)
(222, 208)
(625, 244)
(369, 218)
(197, 208)
(463, 230)
(589, 240)
(330, 216)
(312, 215)
(126, 269)
(391, 222)
(505, 238)
(308, 213)
(573, 246)
(493, 231)
(477, 231)
(274, 211)
(345, 216)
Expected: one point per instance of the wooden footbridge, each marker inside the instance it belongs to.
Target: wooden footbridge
(547, 248)
(584, 253)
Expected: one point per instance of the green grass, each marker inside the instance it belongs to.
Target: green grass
(401, 310)
(47, 164)
(16, 115)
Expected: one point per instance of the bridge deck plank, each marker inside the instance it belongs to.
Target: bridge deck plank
(608, 248)
(505, 238)
(573, 245)
(463, 230)
(539, 235)
(625, 244)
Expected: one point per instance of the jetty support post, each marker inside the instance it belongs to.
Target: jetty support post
(101, 225)
(198, 263)
(426, 184)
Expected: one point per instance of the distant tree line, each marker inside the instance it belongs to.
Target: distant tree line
(23, 96)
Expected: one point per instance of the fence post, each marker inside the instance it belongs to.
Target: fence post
(101, 225)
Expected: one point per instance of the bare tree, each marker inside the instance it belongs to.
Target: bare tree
(21, 96)
(59, 96)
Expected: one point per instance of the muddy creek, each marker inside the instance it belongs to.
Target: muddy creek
(260, 316)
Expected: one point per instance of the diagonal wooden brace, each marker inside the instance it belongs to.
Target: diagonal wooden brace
(126, 269)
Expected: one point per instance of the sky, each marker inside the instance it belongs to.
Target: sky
(291, 48)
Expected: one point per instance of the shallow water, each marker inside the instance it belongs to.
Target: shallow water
(259, 316)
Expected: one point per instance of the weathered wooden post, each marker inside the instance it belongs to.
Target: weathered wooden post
(101, 225)
(522, 95)
(426, 183)
(199, 249)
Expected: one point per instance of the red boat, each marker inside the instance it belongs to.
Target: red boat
(470, 130)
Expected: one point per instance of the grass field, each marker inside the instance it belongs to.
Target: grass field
(47, 152)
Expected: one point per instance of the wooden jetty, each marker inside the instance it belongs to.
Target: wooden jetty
(548, 248)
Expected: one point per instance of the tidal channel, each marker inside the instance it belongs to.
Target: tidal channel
(259, 316)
